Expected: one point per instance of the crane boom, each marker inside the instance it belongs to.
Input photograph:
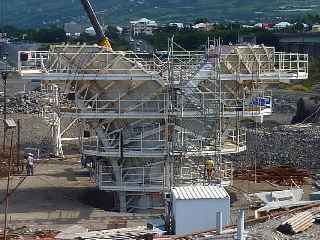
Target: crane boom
(102, 39)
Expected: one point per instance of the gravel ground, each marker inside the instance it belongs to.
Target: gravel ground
(277, 142)
(298, 146)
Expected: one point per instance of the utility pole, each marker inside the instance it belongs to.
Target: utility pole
(19, 165)
(8, 190)
(4, 76)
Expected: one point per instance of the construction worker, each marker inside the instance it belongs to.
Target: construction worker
(210, 168)
(30, 162)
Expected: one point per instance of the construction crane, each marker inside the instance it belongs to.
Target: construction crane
(102, 39)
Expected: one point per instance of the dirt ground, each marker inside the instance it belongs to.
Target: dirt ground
(59, 195)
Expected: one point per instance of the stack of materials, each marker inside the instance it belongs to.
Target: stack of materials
(121, 234)
(281, 175)
(297, 224)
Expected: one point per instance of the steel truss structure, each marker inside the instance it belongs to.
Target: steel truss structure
(153, 122)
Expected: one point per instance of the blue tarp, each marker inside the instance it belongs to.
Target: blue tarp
(260, 101)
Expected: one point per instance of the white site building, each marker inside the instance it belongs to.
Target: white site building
(195, 208)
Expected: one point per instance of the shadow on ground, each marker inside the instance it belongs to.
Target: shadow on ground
(49, 199)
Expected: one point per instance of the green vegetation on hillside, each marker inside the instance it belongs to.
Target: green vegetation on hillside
(38, 12)
(51, 34)
(54, 34)
(192, 39)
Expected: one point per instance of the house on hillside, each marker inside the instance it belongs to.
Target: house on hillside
(264, 26)
(204, 26)
(143, 26)
(316, 28)
(282, 25)
(90, 31)
(73, 29)
(176, 25)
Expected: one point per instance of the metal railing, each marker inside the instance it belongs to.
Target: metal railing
(235, 140)
(82, 63)
(263, 65)
(136, 145)
(33, 60)
(275, 64)
(201, 104)
(189, 175)
(291, 62)
(120, 106)
(147, 178)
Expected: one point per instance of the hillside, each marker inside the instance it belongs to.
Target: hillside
(38, 12)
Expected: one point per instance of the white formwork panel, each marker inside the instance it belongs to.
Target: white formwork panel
(195, 208)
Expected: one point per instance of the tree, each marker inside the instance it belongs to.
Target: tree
(52, 34)
(201, 20)
(311, 19)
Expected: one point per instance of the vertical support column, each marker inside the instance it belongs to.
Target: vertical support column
(19, 61)
(261, 119)
(168, 176)
(4, 76)
(19, 164)
(290, 62)
(81, 133)
(240, 229)
(123, 201)
(219, 223)
(298, 64)
(56, 126)
(56, 130)
(121, 194)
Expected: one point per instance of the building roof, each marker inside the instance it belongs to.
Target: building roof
(179, 25)
(145, 21)
(199, 192)
(201, 25)
(282, 25)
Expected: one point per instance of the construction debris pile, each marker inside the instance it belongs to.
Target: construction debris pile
(281, 175)
(294, 145)
(31, 233)
(22, 102)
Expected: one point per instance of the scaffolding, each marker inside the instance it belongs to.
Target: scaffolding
(149, 123)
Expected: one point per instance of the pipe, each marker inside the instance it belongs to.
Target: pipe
(102, 39)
